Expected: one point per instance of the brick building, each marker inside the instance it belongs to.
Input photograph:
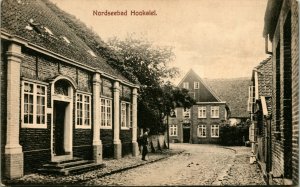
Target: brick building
(235, 92)
(282, 30)
(59, 98)
(260, 109)
(200, 123)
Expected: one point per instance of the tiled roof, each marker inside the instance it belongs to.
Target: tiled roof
(36, 22)
(265, 77)
(234, 92)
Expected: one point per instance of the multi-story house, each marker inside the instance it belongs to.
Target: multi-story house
(260, 109)
(281, 28)
(201, 123)
(60, 100)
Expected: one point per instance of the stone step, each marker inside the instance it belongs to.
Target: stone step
(68, 167)
(65, 161)
(67, 164)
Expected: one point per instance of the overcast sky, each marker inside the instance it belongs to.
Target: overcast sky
(216, 38)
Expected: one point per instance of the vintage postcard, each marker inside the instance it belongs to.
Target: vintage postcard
(149, 93)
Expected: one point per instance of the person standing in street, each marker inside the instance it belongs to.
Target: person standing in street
(144, 143)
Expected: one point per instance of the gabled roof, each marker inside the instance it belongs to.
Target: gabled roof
(35, 22)
(210, 95)
(234, 92)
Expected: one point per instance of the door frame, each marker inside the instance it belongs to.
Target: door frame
(68, 122)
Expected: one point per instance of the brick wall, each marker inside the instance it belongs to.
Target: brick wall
(126, 139)
(82, 143)
(208, 121)
(285, 150)
(3, 106)
(295, 92)
(106, 136)
(36, 142)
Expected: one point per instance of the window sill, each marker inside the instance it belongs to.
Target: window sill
(201, 136)
(104, 127)
(34, 126)
(215, 136)
(201, 117)
(125, 128)
(83, 127)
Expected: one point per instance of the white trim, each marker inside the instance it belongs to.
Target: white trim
(196, 85)
(216, 127)
(213, 114)
(105, 114)
(34, 95)
(202, 108)
(173, 128)
(34, 81)
(202, 127)
(68, 124)
(83, 126)
(256, 84)
(187, 113)
(127, 123)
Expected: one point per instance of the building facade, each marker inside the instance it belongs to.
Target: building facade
(282, 30)
(201, 123)
(59, 97)
(260, 109)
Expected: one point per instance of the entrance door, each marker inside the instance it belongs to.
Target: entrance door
(186, 135)
(59, 126)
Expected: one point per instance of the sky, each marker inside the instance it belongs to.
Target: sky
(215, 38)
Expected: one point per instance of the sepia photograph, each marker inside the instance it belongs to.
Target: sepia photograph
(149, 93)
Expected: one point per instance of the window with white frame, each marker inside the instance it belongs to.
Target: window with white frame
(196, 85)
(215, 131)
(214, 112)
(173, 113)
(186, 113)
(34, 105)
(106, 113)
(83, 111)
(201, 130)
(202, 112)
(125, 115)
(173, 130)
(186, 85)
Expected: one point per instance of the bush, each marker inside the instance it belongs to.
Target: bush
(234, 135)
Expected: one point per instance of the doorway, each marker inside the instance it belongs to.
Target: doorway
(186, 135)
(59, 128)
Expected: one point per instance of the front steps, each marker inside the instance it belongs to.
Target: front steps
(68, 167)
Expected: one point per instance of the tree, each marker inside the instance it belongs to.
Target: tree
(146, 64)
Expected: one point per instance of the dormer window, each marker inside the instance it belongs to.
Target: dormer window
(48, 31)
(92, 53)
(66, 40)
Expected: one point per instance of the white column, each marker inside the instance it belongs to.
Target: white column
(116, 141)
(13, 149)
(97, 145)
(135, 149)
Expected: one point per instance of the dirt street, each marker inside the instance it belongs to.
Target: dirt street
(198, 165)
